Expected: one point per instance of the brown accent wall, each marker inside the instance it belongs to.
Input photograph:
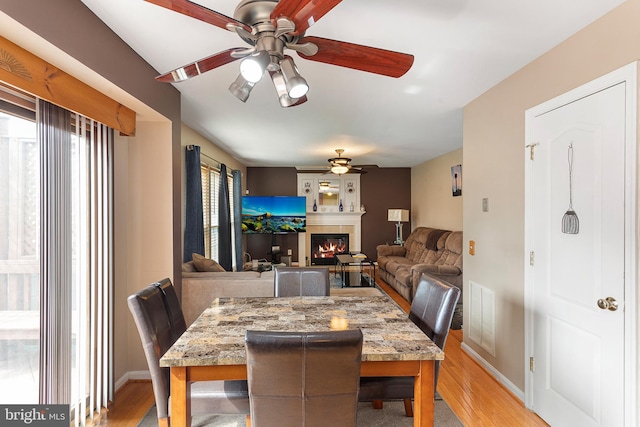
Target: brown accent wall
(276, 181)
(272, 181)
(381, 189)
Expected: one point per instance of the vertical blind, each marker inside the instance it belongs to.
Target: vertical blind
(76, 262)
(54, 133)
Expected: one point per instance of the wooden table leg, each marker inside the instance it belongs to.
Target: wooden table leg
(423, 395)
(180, 402)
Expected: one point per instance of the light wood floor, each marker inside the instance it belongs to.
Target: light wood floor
(474, 395)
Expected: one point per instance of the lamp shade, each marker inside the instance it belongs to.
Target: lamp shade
(398, 215)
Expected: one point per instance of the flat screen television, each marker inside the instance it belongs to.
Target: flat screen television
(274, 214)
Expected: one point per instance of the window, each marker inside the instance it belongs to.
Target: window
(210, 186)
(19, 260)
(56, 281)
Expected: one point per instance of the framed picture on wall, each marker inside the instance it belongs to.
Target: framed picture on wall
(456, 180)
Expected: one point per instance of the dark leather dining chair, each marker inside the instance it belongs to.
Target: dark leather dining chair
(303, 379)
(301, 281)
(150, 313)
(432, 311)
(172, 304)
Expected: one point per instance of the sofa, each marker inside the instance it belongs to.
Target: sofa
(199, 288)
(427, 250)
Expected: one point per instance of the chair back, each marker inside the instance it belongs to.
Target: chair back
(301, 281)
(174, 309)
(303, 379)
(433, 307)
(432, 310)
(149, 312)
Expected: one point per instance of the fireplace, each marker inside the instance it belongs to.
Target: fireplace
(325, 246)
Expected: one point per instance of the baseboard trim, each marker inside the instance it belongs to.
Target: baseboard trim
(493, 372)
(132, 376)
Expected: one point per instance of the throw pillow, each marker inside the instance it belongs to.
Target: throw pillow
(205, 264)
(189, 267)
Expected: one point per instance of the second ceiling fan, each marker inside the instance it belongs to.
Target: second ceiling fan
(270, 27)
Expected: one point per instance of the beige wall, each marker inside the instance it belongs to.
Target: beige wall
(212, 151)
(432, 204)
(493, 157)
(143, 228)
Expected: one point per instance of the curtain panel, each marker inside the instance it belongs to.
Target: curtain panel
(237, 218)
(224, 221)
(194, 214)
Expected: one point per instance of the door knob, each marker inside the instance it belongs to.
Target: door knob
(608, 303)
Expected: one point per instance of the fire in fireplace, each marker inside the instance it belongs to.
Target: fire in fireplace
(324, 247)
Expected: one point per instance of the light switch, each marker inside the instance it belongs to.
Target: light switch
(288, 251)
(485, 205)
(472, 247)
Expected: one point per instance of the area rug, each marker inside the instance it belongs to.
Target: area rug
(391, 415)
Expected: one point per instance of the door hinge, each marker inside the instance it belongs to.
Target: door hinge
(532, 364)
(531, 147)
(532, 258)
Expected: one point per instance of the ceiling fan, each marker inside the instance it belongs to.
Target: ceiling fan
(270, 26)
(339, 166)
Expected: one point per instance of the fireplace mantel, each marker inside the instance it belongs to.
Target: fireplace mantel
(329, 222)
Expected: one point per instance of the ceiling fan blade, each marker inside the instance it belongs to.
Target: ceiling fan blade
(200, 12)
(358, 57)
(201, 66)
(357, 170)
(304, 13)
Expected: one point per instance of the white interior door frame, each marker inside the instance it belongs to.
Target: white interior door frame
(629, 75)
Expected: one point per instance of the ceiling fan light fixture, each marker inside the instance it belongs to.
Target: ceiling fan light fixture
(339, 169)
(340, 165)
(241, 88)
(252, 67)
(297, 86)
(281, 89)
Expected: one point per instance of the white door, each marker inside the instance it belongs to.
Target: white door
(578, 347)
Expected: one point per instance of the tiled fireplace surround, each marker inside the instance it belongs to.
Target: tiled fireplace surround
(330, 222)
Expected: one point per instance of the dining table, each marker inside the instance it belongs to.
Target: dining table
(213, 347)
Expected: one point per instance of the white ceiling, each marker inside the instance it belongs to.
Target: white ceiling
(462, 48)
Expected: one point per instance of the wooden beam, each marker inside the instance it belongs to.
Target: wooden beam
(22, 69)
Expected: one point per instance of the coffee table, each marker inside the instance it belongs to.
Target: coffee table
(356, 270)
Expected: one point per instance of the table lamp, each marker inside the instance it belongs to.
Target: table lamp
(399, 215)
